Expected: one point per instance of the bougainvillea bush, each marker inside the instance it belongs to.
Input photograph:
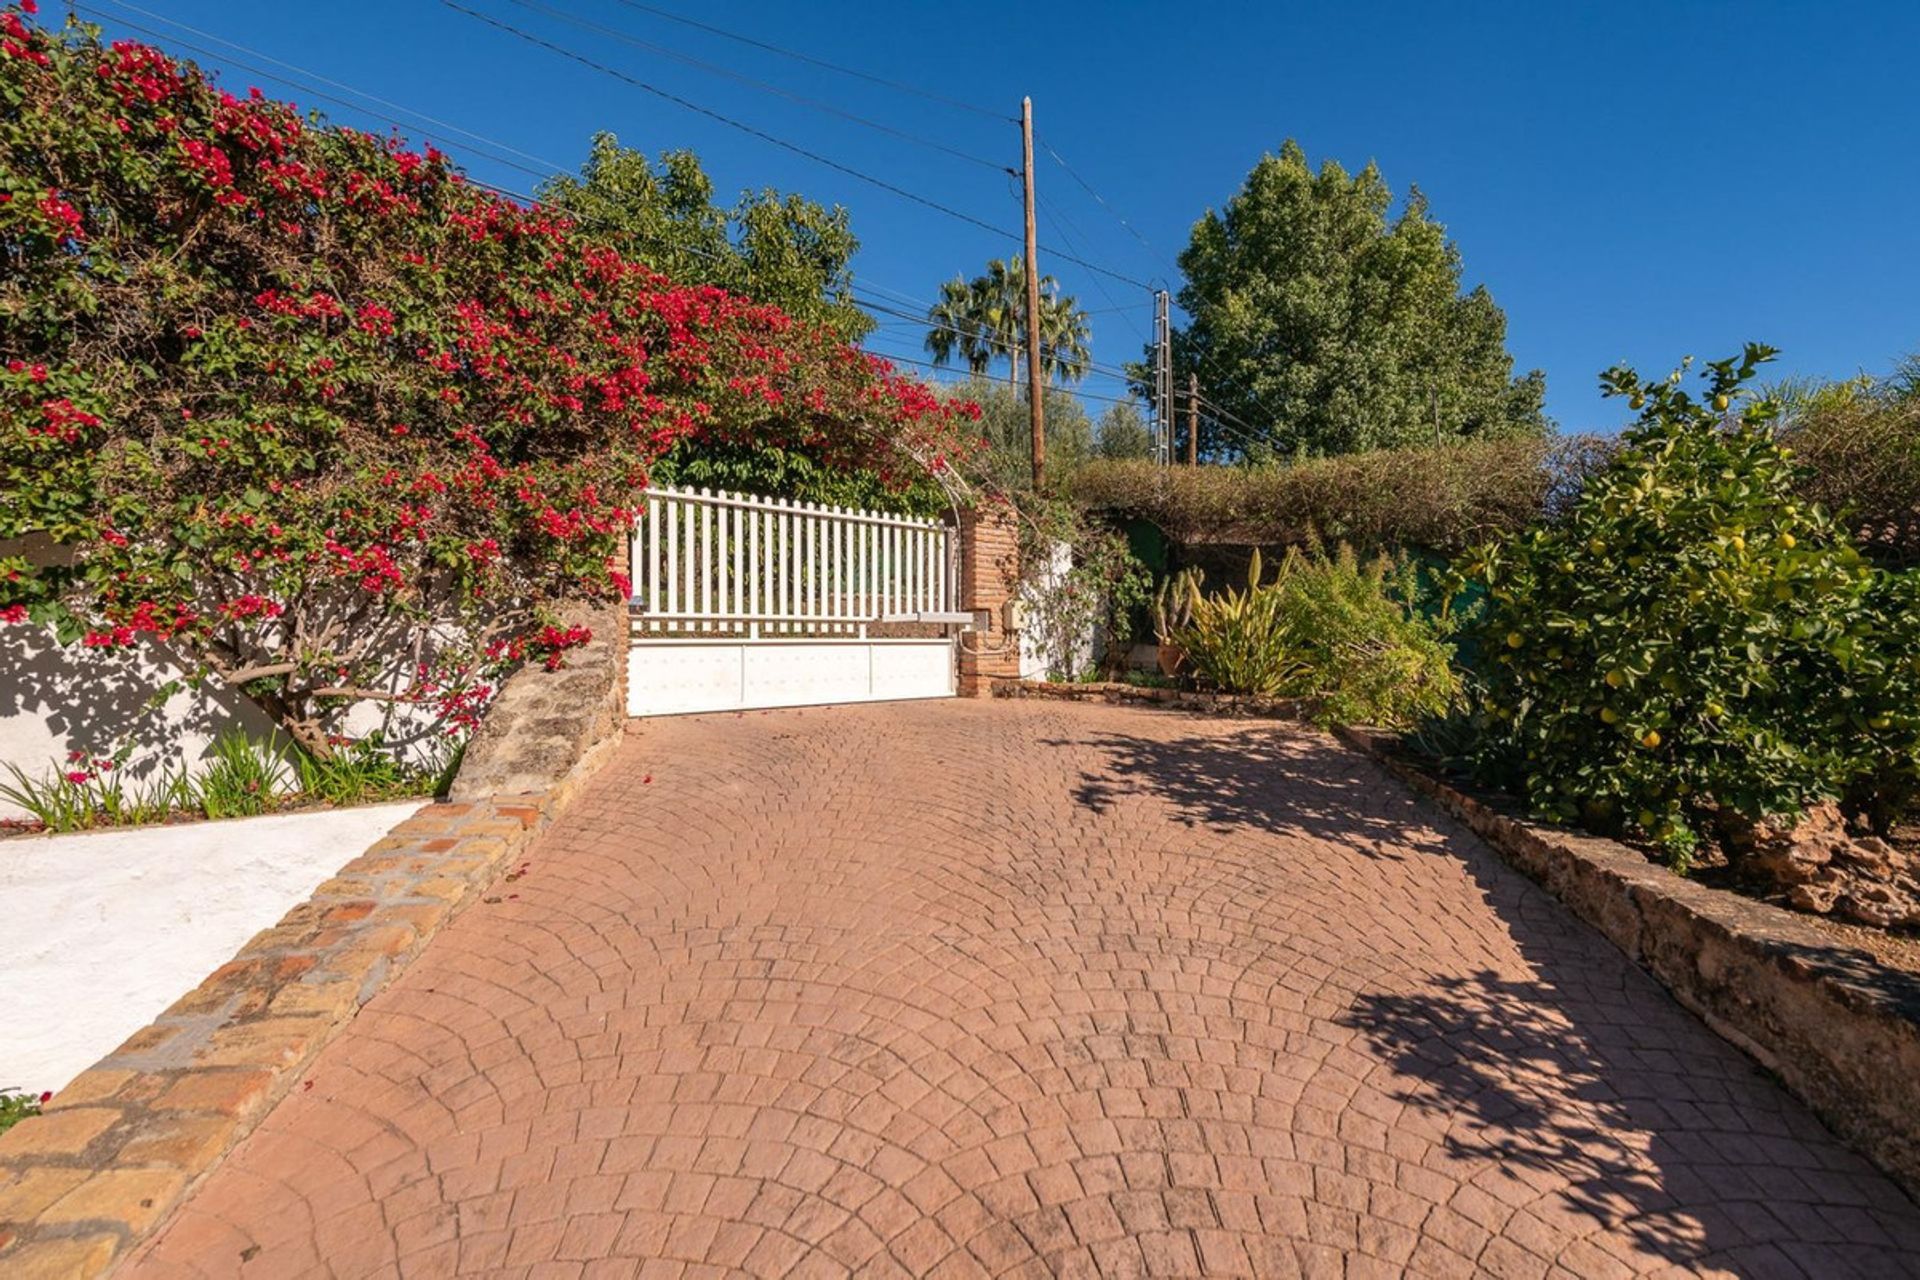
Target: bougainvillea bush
(1694, 640)
(307, 406)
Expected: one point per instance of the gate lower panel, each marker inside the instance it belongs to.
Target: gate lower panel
(681, 676)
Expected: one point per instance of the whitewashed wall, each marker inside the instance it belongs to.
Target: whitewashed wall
(1036, 657)
(54, 700)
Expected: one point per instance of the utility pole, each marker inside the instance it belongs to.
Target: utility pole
(1162, 378)
(1193, 419)
(1036, 407)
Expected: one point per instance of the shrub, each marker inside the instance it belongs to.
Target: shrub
(1860, 443)
(1241, 641)
(316, 412)
(1444, 498)
(1369, 658)
(1328, 627)
(1693, 635)
(16, 1106)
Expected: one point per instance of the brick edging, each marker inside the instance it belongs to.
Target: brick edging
(1839, 1029)
(1224, 704)
(128, 1139)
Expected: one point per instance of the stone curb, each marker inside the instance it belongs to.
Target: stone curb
(1225, 704)
(128, 1139)
(1838, 1028)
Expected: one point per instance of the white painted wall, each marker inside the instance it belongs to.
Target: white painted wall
(54, 700)
(1036, 658)
(104, 930)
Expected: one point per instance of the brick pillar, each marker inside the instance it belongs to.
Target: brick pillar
(989, 572)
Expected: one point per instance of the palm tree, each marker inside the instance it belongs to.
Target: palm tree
(983, 319)
(955, 327)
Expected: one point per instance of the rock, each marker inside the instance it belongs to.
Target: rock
(1822, 867)
(1817, 898)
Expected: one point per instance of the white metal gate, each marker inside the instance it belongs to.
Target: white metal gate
(743, 601)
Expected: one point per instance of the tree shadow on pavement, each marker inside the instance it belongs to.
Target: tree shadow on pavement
(1643, 1123)
(1569, 1069)
(1272, 778)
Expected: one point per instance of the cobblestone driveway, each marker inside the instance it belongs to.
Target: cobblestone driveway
(1026, 988)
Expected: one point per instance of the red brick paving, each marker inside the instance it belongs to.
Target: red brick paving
(1027, 988)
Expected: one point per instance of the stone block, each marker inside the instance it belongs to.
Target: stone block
(134, 1198)
(66, 1132)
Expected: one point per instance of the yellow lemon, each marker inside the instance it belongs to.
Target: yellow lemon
(1650, 739)
(1720, 402)
(1715, 710)
(1739, 544)
(1597, 547)
(1788, 541)
(1880, 722)
(1616, 678)
(1515, 639)
(1637, 402)
(1609, 716)
(1648, 817)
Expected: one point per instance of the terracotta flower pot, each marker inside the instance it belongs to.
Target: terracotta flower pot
(1171, 658)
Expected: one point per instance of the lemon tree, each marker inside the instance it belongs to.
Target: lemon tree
(1691, 635)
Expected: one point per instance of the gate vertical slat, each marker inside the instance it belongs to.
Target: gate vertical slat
(653, 553)
(788, 597)
(837, 539)
(671, 516)
(736, 516)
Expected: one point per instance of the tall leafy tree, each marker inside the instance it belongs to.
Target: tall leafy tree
(1334, 326)
(781, 249)
(1006, 462)
(1122, 432)
(981, 320)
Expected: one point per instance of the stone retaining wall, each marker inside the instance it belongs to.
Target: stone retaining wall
(1838, 1028)
(122, 1144)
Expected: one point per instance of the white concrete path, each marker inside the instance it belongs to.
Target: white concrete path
(104, 930)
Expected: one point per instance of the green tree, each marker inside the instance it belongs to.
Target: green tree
(984, 319)
(1122, 433)
(1005, 426)
(1338, 328)
(780, 249)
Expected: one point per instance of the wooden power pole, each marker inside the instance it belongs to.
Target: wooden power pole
(1036, 405)
(1193, 419)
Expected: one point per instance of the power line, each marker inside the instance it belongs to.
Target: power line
(1088, 188)
(764, 136)
(762, 85)
(928, 322)
(322, 96)
(727, 120)
(941, 368)
(313, 75)
(898, 86)
(551, 169)
(1061, 222)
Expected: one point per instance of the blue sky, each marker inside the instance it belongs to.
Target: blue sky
(1633, 181)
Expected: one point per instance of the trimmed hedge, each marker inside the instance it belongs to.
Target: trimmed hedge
(1442, 498)
(1859, 458)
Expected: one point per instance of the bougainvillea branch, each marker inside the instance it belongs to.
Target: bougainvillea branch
(329, 421)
